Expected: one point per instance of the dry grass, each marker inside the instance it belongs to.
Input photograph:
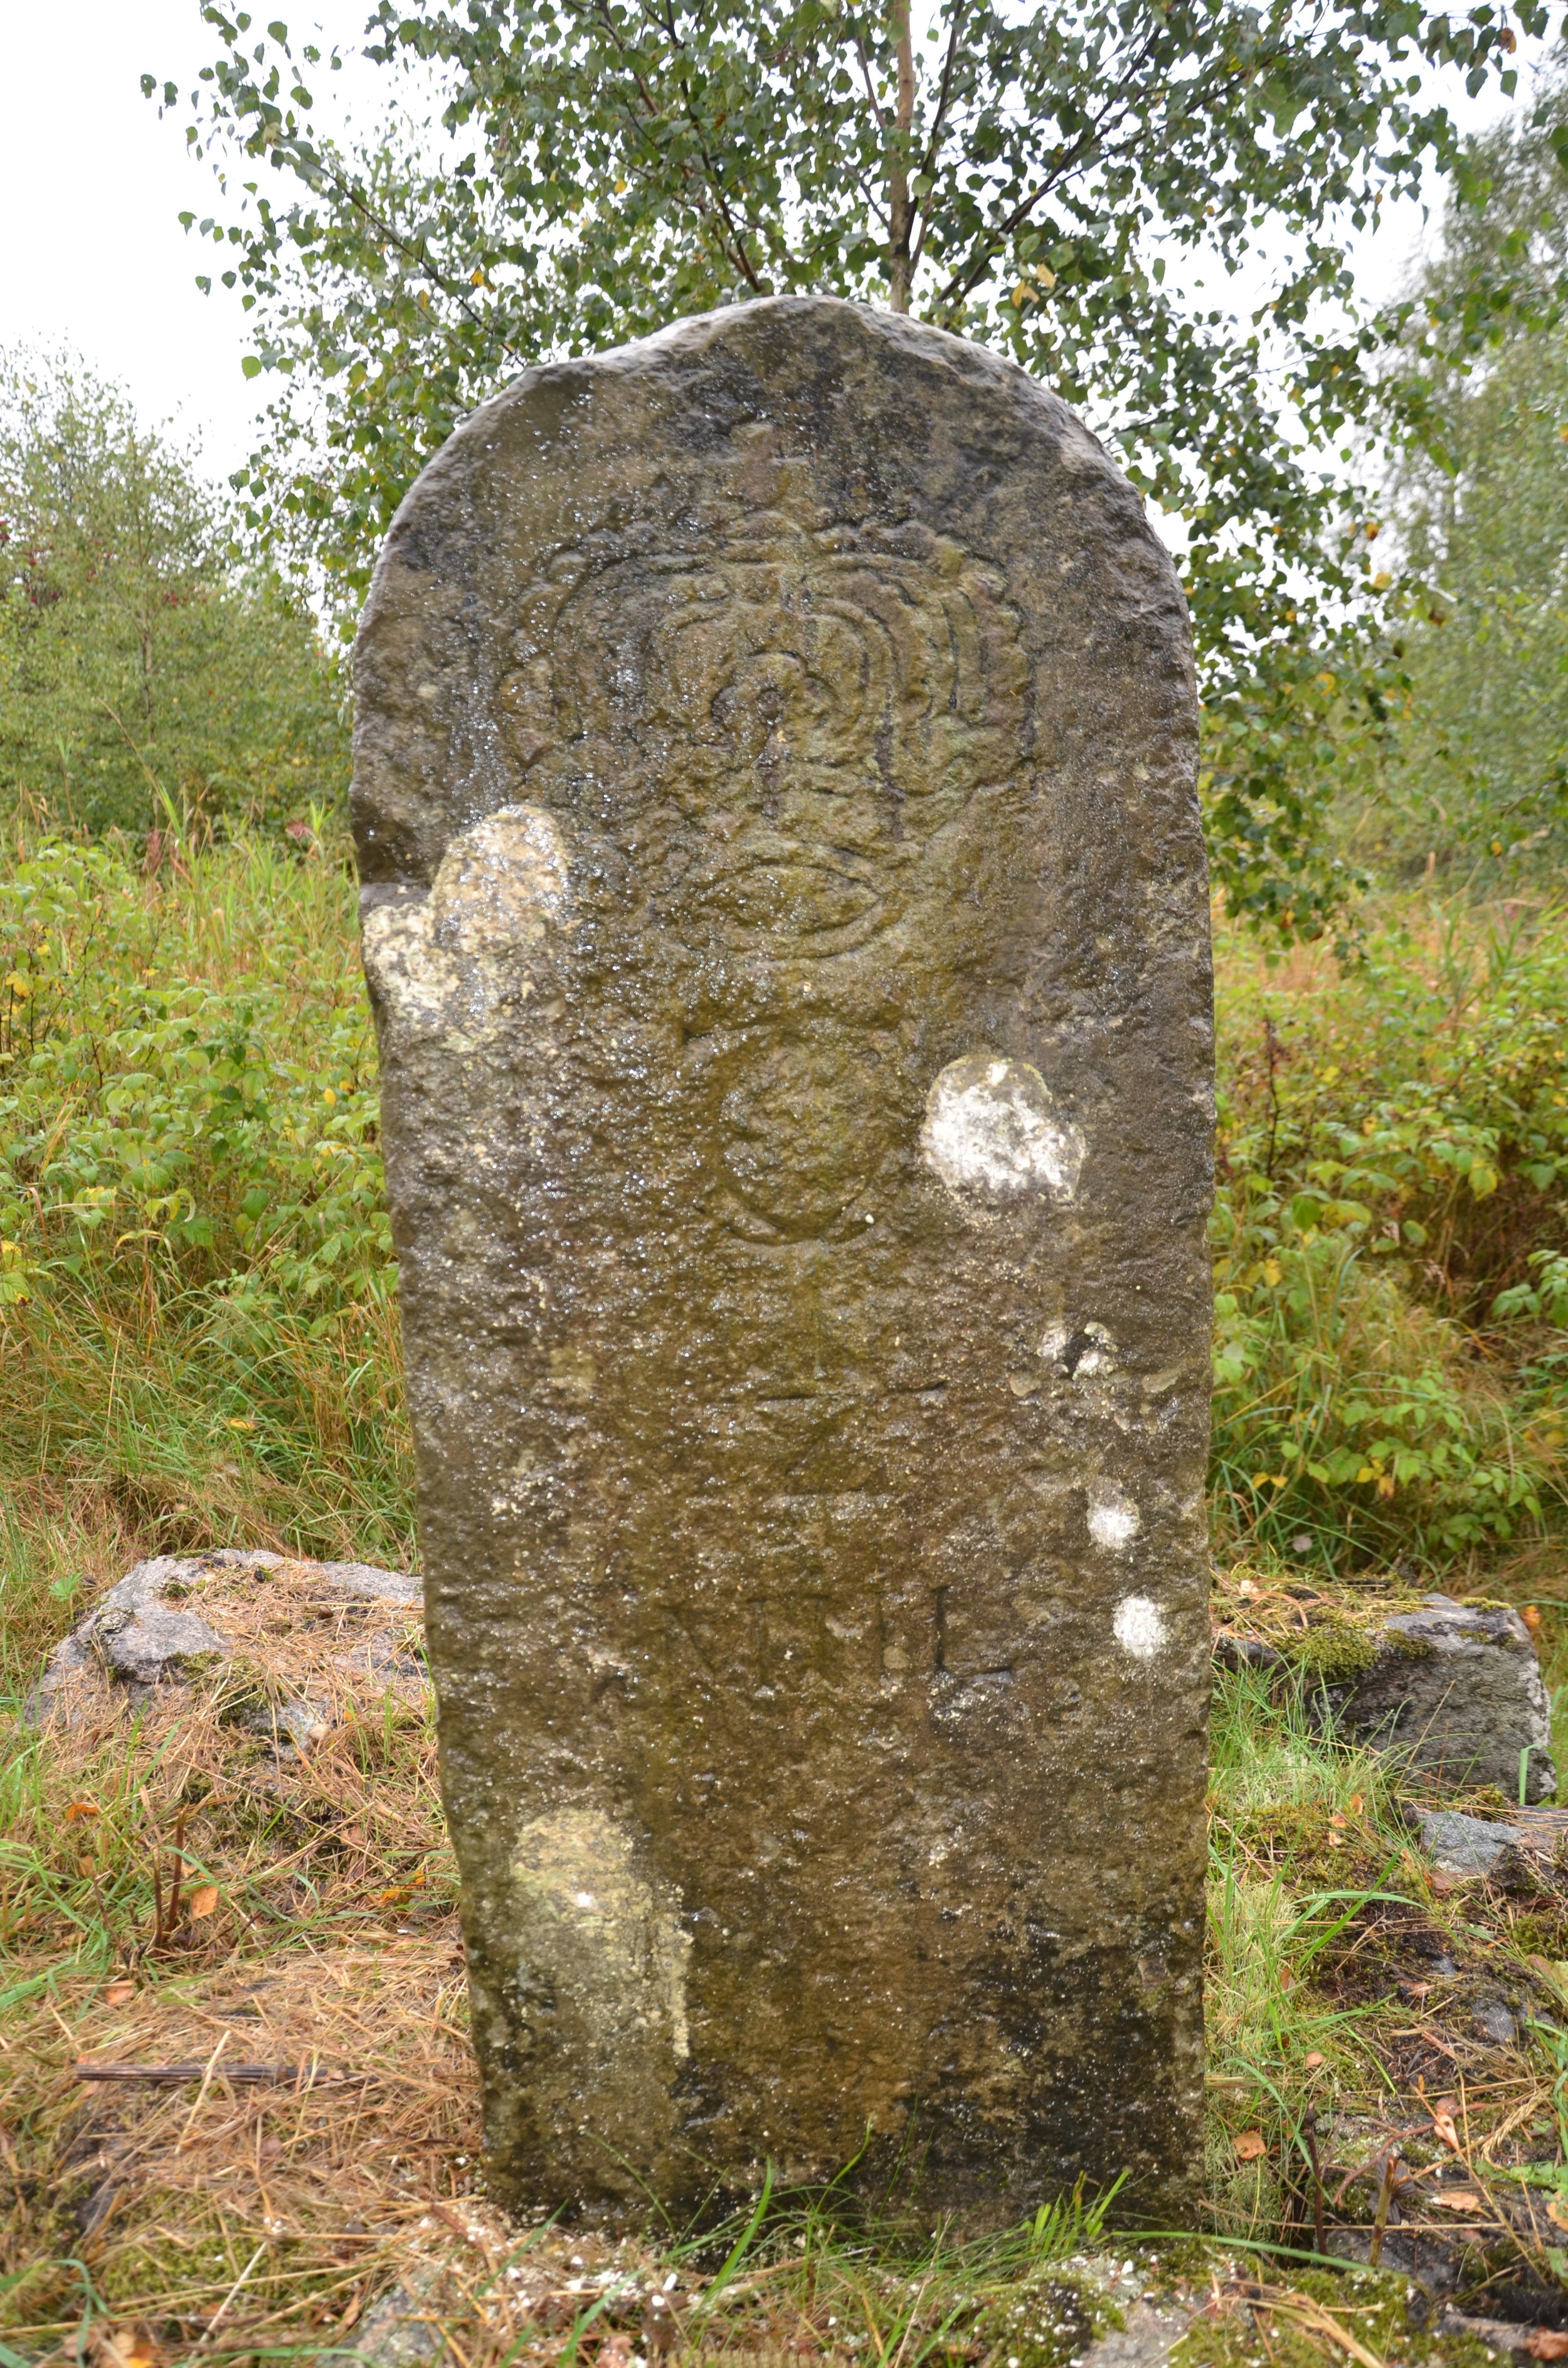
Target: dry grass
(179, 1882)
(157, 2198)
(185, 1890)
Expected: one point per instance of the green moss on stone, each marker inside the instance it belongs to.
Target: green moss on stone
(1045, 2325)
(1333, 1650)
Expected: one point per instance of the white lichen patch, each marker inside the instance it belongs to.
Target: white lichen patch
(415, 983)
(606, 1944)
(1082, 1350)
(1139, 1627)
(501, 882)
(434, 962)
(1113, 1519)
(992, 1131)
(517, 1494)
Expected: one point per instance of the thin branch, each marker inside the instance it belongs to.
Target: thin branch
(901, 213)
(962, 282)
(1066, 162)
(349, 192)
(731, 240)
(871, 88)
(168, 2076)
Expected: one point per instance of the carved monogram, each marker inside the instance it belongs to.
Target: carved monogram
(792, 726)
(817, 703)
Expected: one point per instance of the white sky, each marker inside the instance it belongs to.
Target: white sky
(92, 183)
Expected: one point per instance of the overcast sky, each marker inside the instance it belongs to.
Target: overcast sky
(92, 184)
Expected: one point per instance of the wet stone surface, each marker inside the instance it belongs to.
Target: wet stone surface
(785, 913)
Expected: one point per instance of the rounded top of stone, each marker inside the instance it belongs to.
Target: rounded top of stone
(811, 326)
(791, 336)
(799, 439)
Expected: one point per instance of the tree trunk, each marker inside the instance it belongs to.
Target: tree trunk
(901, 209)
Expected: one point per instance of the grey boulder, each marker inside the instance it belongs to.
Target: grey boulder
(1460, 1845)
(141, 1636)
(402, 2330)
(1457, 1692)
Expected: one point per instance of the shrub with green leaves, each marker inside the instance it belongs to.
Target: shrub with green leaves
(1476, 782)
(1393, 1137)
(143, 675)
(197, 1269)
(198, 1286)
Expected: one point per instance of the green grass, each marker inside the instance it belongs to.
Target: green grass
(195, 1275)
(333, 1931)
(1393, 1143)
(1292, 1814)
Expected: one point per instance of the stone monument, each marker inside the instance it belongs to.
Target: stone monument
(785, 911)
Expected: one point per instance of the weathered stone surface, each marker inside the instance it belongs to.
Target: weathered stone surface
(1524, 1853)
(785, 911)
(144, 1633)
(1460, 1845)
(402, 2330)
(1456, 1689)
(1151, 2334)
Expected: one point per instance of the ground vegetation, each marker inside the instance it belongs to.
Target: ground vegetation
(198, 1342)
(201, 1349)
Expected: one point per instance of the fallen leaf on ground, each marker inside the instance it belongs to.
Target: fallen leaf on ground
(1547, 2343)
(1250, 2145)
(120, 1993)
(204, 1901)
(1557, 2211)
(1442, 2112)
(129, 2347)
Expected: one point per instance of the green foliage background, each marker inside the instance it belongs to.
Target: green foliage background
(1072, 186)
(195, 1276)
(198, 1296)
(1389, 1374)
(194, 1254)
(1473, 773)
(145, 674)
